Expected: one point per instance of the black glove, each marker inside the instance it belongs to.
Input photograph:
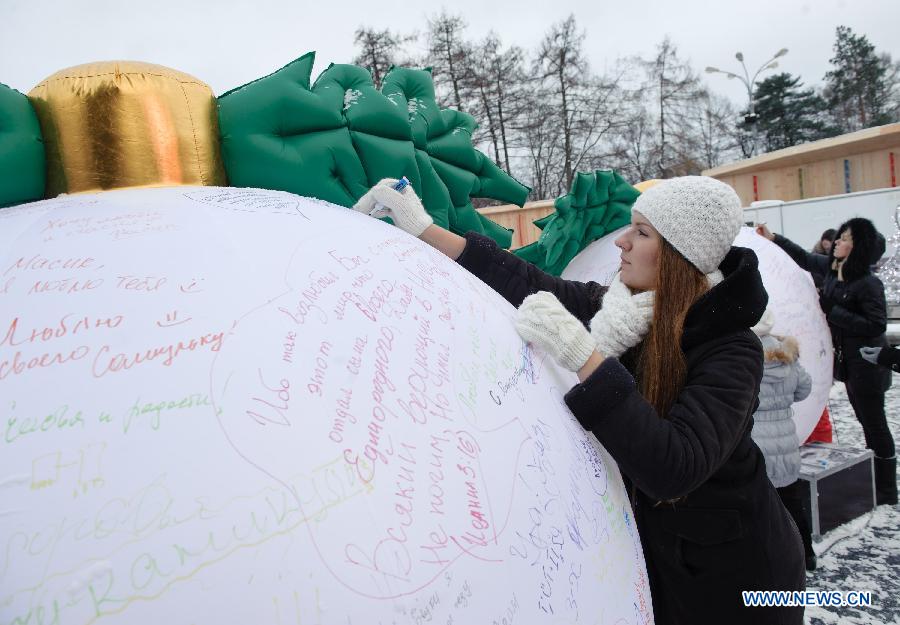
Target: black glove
(825, 303)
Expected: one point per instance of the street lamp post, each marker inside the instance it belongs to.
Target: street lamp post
(751, 117)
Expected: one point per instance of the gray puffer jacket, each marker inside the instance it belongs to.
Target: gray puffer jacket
(784, 382)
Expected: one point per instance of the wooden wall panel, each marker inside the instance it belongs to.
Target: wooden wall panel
(743, 185)
(868, 170)
(520, 220)
(822, 165)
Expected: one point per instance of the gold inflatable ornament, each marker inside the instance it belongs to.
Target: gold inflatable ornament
(127, 124)
(646, 184)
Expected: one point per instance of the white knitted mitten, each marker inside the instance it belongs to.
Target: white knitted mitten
(404, 207)
(544, 322)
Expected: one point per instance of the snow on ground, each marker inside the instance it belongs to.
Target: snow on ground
(865, 553)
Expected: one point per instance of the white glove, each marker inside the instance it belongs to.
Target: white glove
(870, 354)
(545, 323)
(403, 207)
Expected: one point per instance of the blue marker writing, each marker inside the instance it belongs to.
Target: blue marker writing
(398, 186)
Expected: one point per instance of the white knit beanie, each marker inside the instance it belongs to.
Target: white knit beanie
(766, 322)
(699, 216)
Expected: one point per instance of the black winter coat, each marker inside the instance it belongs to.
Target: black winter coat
(858, 317)
(726, 530)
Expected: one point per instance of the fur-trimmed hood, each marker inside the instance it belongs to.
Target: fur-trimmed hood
(777, 349)
(780, 349)
(868, 246)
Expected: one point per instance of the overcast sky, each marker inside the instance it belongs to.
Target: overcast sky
(227, 43)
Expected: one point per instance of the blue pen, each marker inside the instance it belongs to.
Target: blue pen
(398, 186)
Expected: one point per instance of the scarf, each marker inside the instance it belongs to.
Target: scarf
(624, 317)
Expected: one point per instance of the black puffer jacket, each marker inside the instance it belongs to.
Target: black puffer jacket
(727, 531)
(858, 315)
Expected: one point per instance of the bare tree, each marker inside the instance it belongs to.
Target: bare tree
(892, 82)
(585, 105)
(561, 64)
(713, 119)
(675, 89)
(498, 83)
(448, 55)
(378, 50)
(634, 148)
(540, 137)
(676, 126)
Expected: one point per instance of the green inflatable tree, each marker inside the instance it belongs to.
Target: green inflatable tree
(21, 150)
(597, 204)
(337, 137)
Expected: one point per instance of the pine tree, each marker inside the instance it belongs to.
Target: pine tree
(788, 114)
(858, 88)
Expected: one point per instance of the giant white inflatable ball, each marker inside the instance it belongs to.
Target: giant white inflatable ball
(242, 406)
(598, 262)
(792, 298)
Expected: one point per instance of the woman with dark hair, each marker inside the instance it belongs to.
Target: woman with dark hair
(669, 378)
(852, 299)
(823, 245)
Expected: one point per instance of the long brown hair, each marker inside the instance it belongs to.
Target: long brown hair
(661, 364)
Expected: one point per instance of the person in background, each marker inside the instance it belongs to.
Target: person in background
(823, 246)
(669, 375)
(888, 357)
(852, 298)
(822, 433)
(784, 382)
